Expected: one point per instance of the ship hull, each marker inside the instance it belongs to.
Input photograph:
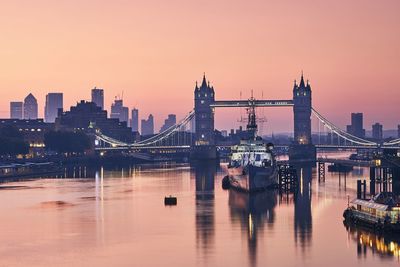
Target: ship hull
(252, 178)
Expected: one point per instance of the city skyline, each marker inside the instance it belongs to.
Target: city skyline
(354, 57)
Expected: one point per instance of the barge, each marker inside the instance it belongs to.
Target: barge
(381, 213)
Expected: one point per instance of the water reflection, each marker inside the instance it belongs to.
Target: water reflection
(252, 212)
(386, 246)
(302, 207)
(205, 210)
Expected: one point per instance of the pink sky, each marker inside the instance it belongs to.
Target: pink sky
(155, 50)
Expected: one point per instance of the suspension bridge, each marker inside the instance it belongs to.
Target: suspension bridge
(195, 132)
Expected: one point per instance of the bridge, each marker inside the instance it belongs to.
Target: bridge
(195, 134)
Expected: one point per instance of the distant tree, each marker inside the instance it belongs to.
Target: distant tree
(67, 142)
(12, 142)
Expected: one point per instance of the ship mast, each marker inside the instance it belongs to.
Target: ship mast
(252, 121)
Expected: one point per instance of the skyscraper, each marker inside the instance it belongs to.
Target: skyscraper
(148, 126)
(30, 108)
(356, 127)
(377, 131)
(54, 101)
(170, 121)
(98, 97)
(16, 110)
(398, 131)
(135, 120)
(118, 111)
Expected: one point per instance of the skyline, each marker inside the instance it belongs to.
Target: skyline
(347, 51)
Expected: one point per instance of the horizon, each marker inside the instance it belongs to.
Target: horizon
(144, 50)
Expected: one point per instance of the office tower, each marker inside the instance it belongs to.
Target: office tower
(135, 120)
(147, 126)
(356, 127)
(170, 121)
(30, 108)
(54, 102)
(377, 131)
(98, 97)
(398, 131)
(16, 110)
(118, 111)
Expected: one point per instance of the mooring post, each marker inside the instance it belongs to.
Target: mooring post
(358, 189)
(372, 181)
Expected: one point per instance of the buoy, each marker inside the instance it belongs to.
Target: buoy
(226, 184)
(170, 201)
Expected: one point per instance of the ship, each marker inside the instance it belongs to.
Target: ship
(252, 166)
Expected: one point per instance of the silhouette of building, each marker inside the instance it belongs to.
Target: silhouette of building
(170, 121)
(356, 127)
(377, 131)
(398, 131)
(30, 108)
(135, 120)
(87, 116)
(98, 97)
(204, 142)
(16, 110)
(54, 102)
(147, 126)
(302, 146)
(33, 131)
(118, 111)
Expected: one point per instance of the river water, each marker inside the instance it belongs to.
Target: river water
(117, 217)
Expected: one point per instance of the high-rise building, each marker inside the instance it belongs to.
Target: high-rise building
(377, 131)
(356, 127)
(170, 121)
(30, 108)
(398, 131)
(87, 115)
(98, 97)
(135, 120)
(16, 110)
(118, 111)
(54, 102)
(147, 126)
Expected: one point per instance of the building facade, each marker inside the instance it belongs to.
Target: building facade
(33, 131)
(356, 127)
(30, 108)
(302, 146)
(54, 104)
(147, 126)
(87, 116)
(16, 110)
(204, 143)
(135, 120)
(118, 111)
(377, 131)
(98, 97)
(168, 122)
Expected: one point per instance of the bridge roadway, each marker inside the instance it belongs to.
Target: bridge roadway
(347, 162)
(247, 103)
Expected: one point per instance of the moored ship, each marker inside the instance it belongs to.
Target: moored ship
(252, 166)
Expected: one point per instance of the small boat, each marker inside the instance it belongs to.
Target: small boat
(170, 201)
(380, 213)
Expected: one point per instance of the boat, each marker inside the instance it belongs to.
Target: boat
(380, 213)
(252, 166)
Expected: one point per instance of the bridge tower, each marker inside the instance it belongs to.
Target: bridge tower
(302, 147)
(204, 143)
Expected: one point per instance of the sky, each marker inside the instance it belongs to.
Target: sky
(153, 51)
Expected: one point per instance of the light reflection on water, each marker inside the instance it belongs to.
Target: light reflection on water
(117, 217)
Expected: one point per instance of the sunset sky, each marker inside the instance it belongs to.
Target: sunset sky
(154, 51)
